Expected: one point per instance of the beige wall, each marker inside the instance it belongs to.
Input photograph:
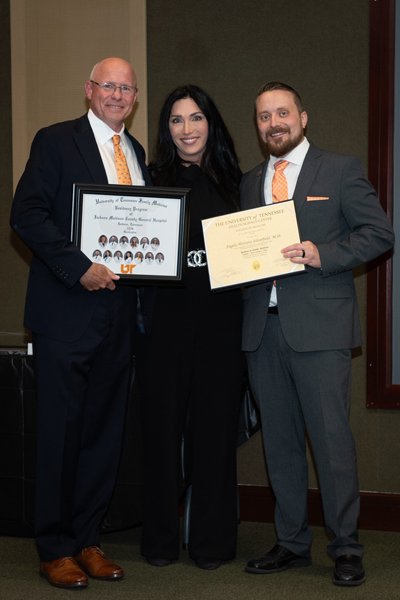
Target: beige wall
(54, 45)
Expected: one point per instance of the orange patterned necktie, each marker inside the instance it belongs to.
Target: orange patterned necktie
(123, 174)
(279, 182)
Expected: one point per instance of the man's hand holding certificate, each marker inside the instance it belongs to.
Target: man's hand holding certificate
(247, 246)
(305, 253)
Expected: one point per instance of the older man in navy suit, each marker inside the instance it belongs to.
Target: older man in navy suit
(298, 333)
(82, 325)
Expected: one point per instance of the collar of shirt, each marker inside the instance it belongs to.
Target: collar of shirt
(102, 132)
(296, 156)
(103, 135)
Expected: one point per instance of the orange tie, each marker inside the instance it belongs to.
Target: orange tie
(279, 182)
(123, 174)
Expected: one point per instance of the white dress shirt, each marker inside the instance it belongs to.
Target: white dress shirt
(295, 158)
(103, 134)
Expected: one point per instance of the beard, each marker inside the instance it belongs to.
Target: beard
(278, 148)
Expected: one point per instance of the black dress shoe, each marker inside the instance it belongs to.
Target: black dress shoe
(158, 562)
(209, 564)
(278, 559)
(349, 570)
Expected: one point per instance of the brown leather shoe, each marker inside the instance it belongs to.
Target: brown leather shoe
(63, 573)
(94, 563)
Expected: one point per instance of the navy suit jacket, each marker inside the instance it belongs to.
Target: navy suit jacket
(57, 305)
(318, 310)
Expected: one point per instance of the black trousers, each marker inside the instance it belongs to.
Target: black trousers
(190, 372)
(82, 392)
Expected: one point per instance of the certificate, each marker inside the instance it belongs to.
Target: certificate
(245, 247)
(138, 232)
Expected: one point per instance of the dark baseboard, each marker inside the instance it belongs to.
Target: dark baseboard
(380, 512)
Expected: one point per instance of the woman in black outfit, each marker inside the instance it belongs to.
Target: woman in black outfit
(191, 368)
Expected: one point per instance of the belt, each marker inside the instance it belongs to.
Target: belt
(197, 258)
(273, 310)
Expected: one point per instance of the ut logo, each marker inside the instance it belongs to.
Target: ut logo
(127, 268)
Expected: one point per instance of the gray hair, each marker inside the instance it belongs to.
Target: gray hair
(92, 72)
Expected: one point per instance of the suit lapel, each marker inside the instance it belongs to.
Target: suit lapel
(307, 175)
(87, 146)
(140, 157)
(259, 184)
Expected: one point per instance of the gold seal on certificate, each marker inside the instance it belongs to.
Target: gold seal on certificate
(246, 246)
(256, 265)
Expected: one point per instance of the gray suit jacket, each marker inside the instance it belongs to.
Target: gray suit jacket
(318, 310)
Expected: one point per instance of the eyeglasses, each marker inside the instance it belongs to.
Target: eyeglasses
(110, 88)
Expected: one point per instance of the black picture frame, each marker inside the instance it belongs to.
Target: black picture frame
(159, 215)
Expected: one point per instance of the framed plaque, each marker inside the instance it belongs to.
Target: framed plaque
(138, 232)
(245, 247)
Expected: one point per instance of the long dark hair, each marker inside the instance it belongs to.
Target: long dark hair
(219, 160)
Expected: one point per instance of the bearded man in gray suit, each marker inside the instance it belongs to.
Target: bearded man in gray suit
(298, 333)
